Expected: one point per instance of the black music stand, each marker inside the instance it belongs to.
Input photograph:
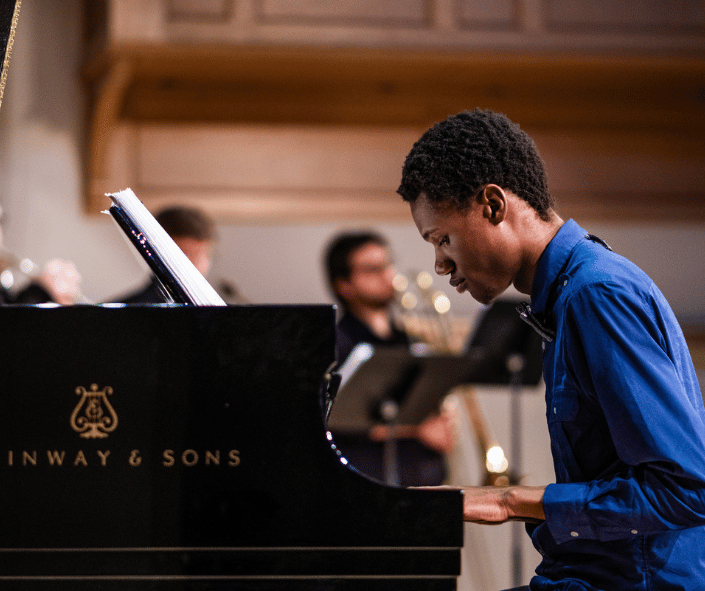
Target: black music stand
(501, 335)
(395, 386)
(415, 382)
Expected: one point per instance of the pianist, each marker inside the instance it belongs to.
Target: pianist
(625, 412)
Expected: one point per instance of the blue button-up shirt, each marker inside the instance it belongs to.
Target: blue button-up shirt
(627, 426)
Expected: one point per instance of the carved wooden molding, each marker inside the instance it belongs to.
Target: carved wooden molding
(136, 85)
(105, 117)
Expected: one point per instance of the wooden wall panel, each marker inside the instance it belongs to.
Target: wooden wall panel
(217, 11)
(390, 13)
(625, 84)
(273, 157)
(626, 16)
(498, 15)
(256, 174)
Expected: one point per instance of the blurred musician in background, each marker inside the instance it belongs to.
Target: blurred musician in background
(194, 232)
(58, 283)
(625, 412)
(360, 276)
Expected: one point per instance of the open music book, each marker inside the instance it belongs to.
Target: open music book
(179, 277)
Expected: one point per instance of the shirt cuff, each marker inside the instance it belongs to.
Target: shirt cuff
(564, 506)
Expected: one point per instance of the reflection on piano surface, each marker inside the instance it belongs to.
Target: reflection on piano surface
(199, 460)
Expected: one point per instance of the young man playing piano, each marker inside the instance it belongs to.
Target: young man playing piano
(625, 412)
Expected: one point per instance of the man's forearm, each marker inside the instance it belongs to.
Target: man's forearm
(495, 504)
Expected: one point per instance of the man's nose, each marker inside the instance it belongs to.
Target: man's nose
(443, 266)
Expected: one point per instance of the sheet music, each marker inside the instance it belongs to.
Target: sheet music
(162, 248)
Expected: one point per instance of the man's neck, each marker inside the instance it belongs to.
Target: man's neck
(541, 235)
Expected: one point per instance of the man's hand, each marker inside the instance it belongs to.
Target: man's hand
(61, 280)
(499, 504)
(437, 432)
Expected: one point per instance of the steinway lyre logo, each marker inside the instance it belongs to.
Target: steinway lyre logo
(94, 416)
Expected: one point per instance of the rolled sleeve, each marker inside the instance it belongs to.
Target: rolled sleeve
(566, 518)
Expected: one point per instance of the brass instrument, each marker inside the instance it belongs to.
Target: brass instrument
(59, 278)
(424, 312)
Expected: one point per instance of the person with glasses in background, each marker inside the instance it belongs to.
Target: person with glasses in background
(360, 276)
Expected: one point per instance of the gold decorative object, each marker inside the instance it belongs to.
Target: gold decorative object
(94, 416)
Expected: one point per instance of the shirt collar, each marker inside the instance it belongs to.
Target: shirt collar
(552, 261)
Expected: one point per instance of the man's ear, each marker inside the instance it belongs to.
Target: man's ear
(342, 288)
(493, 201)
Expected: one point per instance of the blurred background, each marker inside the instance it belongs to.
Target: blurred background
(289, 120)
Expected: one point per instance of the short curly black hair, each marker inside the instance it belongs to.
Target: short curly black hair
(457, 157)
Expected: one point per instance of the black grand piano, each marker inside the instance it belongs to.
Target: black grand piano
(184, 447)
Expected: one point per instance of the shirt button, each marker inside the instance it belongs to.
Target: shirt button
(575, 534)
(555, 410)
(635, 532)
(543, 345)
(565, 282)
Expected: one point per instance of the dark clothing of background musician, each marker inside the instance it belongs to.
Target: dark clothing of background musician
(150, 293)
(418, 465)
(351, 332)
(32, 294)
